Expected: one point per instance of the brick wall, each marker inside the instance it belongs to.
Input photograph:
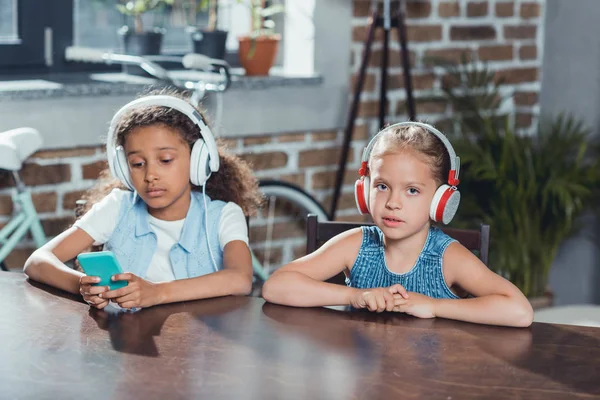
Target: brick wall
(506, 34)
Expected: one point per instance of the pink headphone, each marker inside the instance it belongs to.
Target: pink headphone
(446, 198)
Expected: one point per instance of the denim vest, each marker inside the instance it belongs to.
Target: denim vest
(426, 277)
(133, 242)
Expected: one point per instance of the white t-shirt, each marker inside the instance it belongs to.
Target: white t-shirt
(101, 221)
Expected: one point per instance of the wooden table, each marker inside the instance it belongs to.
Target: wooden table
(54, 346)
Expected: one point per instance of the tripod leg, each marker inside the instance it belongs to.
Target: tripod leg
(352, 115)
(410, 101)
(384, 76)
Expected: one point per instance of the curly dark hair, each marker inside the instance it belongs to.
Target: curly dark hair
(234, 181)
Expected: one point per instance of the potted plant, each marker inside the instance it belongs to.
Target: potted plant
(209, 41)
(531, 189)
(141, 41)
(258, 49)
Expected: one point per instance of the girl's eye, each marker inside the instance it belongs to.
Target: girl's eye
(136, 164)
(166, 161)
(413, 191)
(381, 187)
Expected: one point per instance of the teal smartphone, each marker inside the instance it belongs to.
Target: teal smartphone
(103, 264)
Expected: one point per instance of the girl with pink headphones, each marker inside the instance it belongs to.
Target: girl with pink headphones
(176, 224)
(408, 180)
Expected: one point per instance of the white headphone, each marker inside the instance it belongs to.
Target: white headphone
(446, 198)
(204, 158)
(204, 155)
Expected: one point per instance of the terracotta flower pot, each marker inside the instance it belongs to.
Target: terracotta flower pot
(257, 61)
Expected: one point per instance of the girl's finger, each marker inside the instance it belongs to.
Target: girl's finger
(95, 290)
(88, 280)
(126, 298)
(101, 305)
(127, 276)
(397, 288)
(371, 303)
(130, 305)
(113, 294)
(380, 303)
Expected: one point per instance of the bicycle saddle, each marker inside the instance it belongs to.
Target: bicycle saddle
(16, 145)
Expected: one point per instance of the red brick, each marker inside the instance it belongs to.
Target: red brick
(93, 170)
(257, 140)
(524, 120)
(419, 82)
(530, 10)
(55, 226)
(368, 109)
(520, 31)
(495, 53)
(66, 153)
(526, 98)
(326, 179)
(368, 83)
(323, 136)
(448, 9)
(360, 132)
(431, 106)
(453, 55)
(424, 33)
(70, 198)
(361, 8)
(345, 202)
(296, 179)
(359, 34)
(518, 75)
(321, 157)
(269, 160)
(477, 9)
(528, 52)
(6, 179)
(6, 205)
(35, 174)
(44, 202)
(291, 137)
(504, 10)
(418, 9)
(394, 59)
(474, 32)
(228, 143)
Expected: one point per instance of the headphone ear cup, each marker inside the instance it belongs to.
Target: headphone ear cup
(199, 163)
(361, 194)
(444, 204)
(122, 168)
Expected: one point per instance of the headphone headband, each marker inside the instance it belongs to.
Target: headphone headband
(163, 101)
(454, 159)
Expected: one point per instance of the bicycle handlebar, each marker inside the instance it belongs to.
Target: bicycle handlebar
(149, 64)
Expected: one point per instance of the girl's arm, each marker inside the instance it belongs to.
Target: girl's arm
(300, 283)
(234, 279)
(46, 264)
(497, 301)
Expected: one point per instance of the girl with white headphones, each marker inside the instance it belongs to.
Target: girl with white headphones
(177, 225)
(408, 180)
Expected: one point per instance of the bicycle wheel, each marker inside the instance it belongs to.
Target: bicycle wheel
(278, 233)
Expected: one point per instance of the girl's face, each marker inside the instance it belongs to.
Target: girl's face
(159, 163)
(402, 187)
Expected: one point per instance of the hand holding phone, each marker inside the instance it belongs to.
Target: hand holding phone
(104, 265)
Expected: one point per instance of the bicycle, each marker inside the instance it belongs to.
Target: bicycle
(287, 205)
(16, 146)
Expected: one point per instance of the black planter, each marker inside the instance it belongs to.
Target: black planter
(210, 43)
(140, 44)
